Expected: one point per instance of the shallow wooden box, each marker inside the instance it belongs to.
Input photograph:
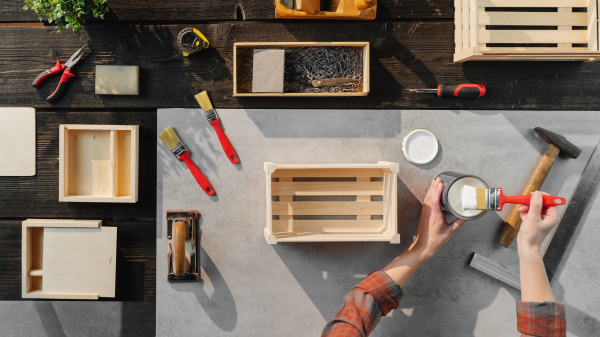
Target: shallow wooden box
(331, 202)
(98, 163)
(68, 259)
(526, 30)
(242, 62)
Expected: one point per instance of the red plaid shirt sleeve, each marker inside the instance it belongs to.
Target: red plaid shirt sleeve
(364, 305)
(541, 319)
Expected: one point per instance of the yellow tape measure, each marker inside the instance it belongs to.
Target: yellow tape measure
(190, 40)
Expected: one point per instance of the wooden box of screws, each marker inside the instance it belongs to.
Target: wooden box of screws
(309, 69)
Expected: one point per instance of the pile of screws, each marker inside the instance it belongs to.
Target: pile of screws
(303, 65)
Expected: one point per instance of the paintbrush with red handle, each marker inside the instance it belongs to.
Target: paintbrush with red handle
(172, 141)
(213, 119)
(492, 198)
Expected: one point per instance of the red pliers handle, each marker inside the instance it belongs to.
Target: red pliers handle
(67, 74)
(56, 69)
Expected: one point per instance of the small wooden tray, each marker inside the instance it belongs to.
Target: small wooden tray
(331, 202)
(485, 30)
(68, 259)
(242, 63)
(98, 163)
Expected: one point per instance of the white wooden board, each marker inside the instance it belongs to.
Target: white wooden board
(80, 261)
(17, 141)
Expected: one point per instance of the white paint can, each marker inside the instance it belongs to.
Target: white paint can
(452, 194)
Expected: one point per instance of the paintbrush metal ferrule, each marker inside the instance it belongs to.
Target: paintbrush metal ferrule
(211, 115)
(179, 149)
(492, 198)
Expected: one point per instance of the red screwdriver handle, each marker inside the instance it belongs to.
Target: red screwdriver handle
(461, 90)
(200, 178)
(548, 200)
(225, 143)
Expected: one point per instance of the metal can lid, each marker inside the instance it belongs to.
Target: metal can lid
(420, 147)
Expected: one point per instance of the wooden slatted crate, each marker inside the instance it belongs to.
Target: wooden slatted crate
(331, 202)
(526, 30)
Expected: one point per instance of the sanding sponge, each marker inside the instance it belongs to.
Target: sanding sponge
(267, 70)
(117, 80)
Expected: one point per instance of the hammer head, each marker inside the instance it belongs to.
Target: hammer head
(559, 141)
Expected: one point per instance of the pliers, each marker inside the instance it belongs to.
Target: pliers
(65, 76)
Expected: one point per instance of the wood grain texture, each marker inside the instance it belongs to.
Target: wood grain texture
(79, 261)
(148, 10)
(17, 141)
(136, 260)
(37, 197)
(404, 55)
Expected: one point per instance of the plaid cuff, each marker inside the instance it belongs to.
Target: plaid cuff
(541, 319)
(384, 290)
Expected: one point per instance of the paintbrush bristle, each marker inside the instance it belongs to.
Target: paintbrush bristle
(204, 101)
(169, 137)
(481, 204)
(473, 197)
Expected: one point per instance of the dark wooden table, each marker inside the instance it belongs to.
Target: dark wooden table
(412, 44)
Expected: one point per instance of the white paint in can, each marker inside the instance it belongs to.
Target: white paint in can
(455, 196)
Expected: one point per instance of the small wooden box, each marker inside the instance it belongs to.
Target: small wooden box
(242, 63)
(331, 202)
(68, 259)
(485, 30)
(98, 163)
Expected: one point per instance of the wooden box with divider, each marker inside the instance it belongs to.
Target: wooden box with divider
(243, 67)
(526, 30)
(331, 202)
(98, 163)
(68, 259)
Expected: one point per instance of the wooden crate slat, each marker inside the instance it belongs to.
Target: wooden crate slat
(473, 25)
(537, 19)
(328, 237)
(328, 173)
(533, 3)
(327, 188)
(327, 208)
(458, 28)
(592, 24)
(533, 36)
(466, 23)
(328, 226)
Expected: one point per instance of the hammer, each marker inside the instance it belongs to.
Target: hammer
(556, 144)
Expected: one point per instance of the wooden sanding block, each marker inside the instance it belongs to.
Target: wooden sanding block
(267, 70)
(117, 80)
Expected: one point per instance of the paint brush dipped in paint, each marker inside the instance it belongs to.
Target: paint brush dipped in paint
(172, 141)
(492, 198)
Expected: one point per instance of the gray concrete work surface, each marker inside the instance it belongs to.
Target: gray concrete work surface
(251, 288)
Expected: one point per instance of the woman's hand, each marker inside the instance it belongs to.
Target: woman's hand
(537, 224)
(434, 231)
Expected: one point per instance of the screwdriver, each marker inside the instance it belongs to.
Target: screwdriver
(461, 90)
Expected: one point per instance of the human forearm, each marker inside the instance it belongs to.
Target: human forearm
(535, 286)
(402, 267)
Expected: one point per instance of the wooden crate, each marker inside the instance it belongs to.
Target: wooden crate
(242, 63)
(331, 202)
(98, 163)
(68, 259)
(526, 30)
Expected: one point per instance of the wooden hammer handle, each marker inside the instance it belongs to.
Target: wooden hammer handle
(179, 259)
(510, 227)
